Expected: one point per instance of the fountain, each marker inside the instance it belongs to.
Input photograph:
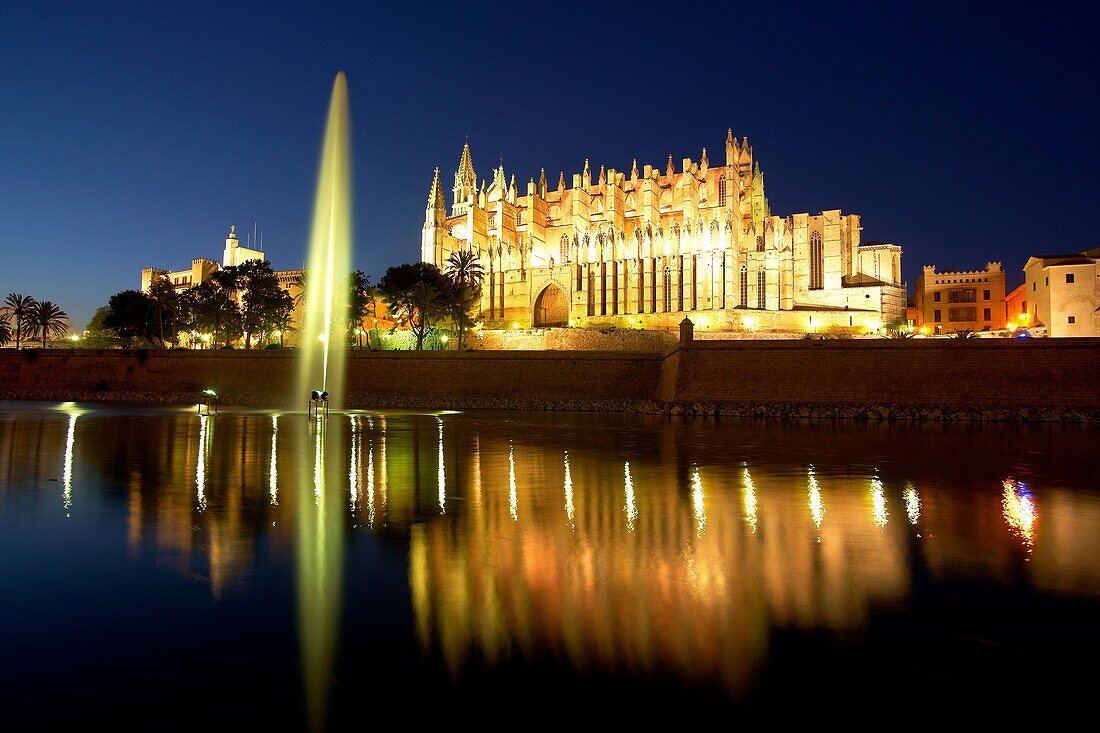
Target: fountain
(319, 538)
(329, 264)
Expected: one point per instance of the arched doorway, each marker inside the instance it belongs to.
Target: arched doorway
(551, 307)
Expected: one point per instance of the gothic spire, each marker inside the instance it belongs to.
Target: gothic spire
(435, 194)
(561, 181)
(703, 162)
(603, 176)
(669, 170)
(634, 170)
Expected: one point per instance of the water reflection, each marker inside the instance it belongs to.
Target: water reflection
(817, 506)
(879, 515)
(1018, 505)
(67, 474)
(273, 471)
(749, 498)
(673, 558)
(912, 503)
(631, 507)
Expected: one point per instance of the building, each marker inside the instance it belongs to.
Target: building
(1063, 292)
(1016, 308)
(961, 300)
(233, 254)
(649, 246)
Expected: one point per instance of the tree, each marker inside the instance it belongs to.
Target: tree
(465, 273)
(360, 304)
(49, 320)
(417, 306)
(5, 328)
(427, 303)
(263, 297)
(131, 316)
(20, 307)
(166, 307)
(99, 335)
(211, 310)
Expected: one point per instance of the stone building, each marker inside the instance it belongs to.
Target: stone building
(233, 254)
(1064, 292)
(648, 246)
(961, 300)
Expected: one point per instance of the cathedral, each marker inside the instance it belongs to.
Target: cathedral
(646, 248)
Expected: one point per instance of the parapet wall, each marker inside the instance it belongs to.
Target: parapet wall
(973, 379)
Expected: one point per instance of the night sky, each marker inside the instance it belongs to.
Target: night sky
(133, 135)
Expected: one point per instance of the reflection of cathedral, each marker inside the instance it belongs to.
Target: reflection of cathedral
(650, 246)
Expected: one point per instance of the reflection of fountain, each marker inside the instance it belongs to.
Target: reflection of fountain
(320, 561)
(70, 445)
(329, 264)
(1018, 507)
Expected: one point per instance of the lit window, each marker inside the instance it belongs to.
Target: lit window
(817, 263)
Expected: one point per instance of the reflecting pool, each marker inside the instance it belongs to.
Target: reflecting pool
(161, 568)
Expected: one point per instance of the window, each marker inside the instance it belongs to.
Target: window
(1073, 319)
(817, 262)
(641, 285)
(956, 315)
(986, 315)
(744, 286)
(603, 288)
(759, 244)
(761, 290)
(936, 316)
(1069, 278)
(985, 295)
(668, 289)
(493, 220)
(1034, 286)
(961, 296)
(722, 191)
(564, 249)
(936, 296)
(1047, 283)
(519, 217)
(615, 288)
(591, 292)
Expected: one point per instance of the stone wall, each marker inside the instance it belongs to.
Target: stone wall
(575, 339)
(1040, 373)
(1045, 379)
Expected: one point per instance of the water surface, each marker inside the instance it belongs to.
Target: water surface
(162, 568)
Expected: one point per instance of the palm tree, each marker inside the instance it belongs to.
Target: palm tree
(465, 272)
(425, 302)
(5, 327)
(49, 320)
(20, 307)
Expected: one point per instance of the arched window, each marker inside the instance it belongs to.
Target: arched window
(591, 292)
(668, 289)
(761, 290)
(565, 249)
(519, 217)
(817, 262)
(722, 191)
(615, 288)
(603, 288)
(744, 286)
(759, 244)
(641, 285)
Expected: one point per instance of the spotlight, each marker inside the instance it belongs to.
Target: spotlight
(324, 396)
(315, 395)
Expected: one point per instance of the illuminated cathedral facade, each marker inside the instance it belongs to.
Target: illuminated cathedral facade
(646, 248)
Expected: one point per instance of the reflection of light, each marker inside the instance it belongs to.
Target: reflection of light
(631, 507)
(513, 496)
(817, 506)
(383, 470)
(353, 468)
(749, 494)
(318, 476)
(912, 503)
(442, 473)
(477, 470)
(878, 503)
(1018, 505)
(370, 483)
(697, 502)
(273, 487)
(200, 469)
(70, 442)
(569, 510)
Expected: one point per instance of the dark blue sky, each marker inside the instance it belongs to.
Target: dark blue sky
(132, 135)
